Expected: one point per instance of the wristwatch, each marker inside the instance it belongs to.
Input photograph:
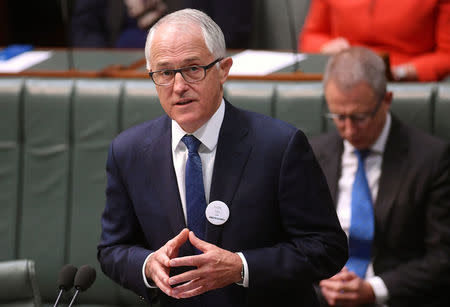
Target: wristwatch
(241, 282)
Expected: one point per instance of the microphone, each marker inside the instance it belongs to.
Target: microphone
(84, 278)
(65, 280)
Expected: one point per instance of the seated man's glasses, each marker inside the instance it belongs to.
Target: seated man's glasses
(191, 74)
(356, 118)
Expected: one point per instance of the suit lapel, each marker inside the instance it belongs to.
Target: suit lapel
(231, 156)
(392, 171)
(330, 160)
(159, 157)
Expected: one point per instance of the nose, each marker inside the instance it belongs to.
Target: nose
(349, 127)
(179, 84)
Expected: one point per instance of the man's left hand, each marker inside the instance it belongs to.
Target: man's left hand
(347, 289)
(216, 268)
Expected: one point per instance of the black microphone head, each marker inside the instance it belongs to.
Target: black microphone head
(85, 277)
(66, 277)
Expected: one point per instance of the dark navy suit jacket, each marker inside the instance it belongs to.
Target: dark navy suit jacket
(281, 213)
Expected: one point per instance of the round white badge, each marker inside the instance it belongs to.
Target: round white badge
(217, 212)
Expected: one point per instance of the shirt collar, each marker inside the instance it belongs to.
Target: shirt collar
(380, 143)
(208, 134)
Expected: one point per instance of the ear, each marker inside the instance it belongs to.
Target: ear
(388, 98)
(225, 66)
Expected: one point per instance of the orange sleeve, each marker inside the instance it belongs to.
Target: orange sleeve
(436, 65)
(316, 30)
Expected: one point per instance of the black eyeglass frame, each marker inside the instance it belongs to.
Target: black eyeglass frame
(355, 118)
(180, 70)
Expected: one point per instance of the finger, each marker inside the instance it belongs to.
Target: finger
(186, 261)
(348, 276)
(341, 275)
(338, 298)
(192, 293)
(185, 277)
(337, 277)
(330, 296)
(162, 257)
(161, 279)
(200, 244)
(352, 286)
(173, 245)
(191, 285)
(331, 285)
(163, 286)
(157, 261)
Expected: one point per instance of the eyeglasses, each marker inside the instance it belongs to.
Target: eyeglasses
(190, 74)
(356, 118)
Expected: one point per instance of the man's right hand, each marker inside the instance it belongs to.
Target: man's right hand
(157, 267)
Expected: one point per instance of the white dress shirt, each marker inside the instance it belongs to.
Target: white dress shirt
(208, 134)
(372, 164)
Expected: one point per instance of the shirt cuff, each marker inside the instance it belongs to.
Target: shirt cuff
(379, 289)
(146, 281)
(246, 273)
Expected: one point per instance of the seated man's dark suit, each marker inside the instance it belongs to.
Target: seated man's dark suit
(281, 213)
(412, 213)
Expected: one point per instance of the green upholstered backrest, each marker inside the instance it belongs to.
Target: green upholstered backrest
(413, 103)
(301, 104)
(252, 96)
(46, 178)
(10, 158)
(94, 122)
(140, 103)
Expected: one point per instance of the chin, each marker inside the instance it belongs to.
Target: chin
(358, 145)
(188, 125)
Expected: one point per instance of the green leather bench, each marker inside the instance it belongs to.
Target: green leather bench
(54, 137)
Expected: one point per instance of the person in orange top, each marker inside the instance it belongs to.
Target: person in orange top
(415, 33)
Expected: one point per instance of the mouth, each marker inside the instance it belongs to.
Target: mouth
(183, 102)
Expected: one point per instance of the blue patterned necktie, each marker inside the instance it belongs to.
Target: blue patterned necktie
(195, 190)
(362, 221)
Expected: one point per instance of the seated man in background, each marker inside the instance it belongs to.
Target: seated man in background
(415, 33)
(391, 187)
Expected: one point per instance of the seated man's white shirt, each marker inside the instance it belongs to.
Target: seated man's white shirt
(349, 165)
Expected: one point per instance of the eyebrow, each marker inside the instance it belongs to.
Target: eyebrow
(184, 63)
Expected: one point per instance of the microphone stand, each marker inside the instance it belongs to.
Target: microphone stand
(58, 298)
(74, 297)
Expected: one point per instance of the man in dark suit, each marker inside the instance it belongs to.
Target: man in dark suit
(408, 178)
(270, 230)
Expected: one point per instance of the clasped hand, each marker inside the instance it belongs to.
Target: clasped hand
(346, 289)
(215, 267)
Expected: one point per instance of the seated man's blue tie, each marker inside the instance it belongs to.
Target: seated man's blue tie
(195, 190)
(362, 221)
